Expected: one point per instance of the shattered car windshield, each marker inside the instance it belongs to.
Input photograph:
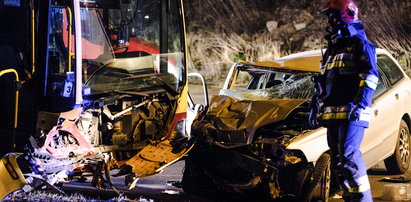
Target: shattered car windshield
(254, 83)
(131, 45)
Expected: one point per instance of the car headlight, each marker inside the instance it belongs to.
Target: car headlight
(294, 156)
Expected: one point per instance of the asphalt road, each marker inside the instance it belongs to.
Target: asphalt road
(376, 175)
(161, 187)
(164, 187)
(378, 187)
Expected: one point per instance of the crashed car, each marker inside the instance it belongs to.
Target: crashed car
(255, 134)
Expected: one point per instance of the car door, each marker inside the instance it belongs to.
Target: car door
(380, 138)
(195, 105)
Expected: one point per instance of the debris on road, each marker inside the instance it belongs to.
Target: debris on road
(47, 196)
(399, 179)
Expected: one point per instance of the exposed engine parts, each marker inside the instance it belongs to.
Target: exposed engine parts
(243, 144)
(111, 130)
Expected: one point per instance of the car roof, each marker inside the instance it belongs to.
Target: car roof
(308, 61)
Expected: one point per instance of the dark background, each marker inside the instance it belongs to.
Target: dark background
(221, 32)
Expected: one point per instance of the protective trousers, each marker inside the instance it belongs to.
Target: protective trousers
(346, 161)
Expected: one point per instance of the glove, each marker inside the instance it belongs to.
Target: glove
(355, 113)
(312, 119)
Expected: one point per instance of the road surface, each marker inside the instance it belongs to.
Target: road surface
(165, 187)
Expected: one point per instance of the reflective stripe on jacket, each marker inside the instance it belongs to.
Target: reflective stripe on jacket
(349, 76)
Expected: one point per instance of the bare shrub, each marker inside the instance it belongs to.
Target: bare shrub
(226, 16)
(387, 25)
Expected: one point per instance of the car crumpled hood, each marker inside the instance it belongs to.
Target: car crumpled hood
(226, 113)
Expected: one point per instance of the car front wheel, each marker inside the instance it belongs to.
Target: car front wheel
(399, 162)
(319, 187)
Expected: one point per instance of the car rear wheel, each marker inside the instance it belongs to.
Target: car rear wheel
(399, 162)
(319, 187)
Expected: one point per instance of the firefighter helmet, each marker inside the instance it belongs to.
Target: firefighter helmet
(347, 8)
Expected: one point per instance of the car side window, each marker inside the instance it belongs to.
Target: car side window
(381, 88)
(245, 80)
(390, 69)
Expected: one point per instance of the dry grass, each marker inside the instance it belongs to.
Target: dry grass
(212, 54)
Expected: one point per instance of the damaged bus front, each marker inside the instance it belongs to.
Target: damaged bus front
(111, 92)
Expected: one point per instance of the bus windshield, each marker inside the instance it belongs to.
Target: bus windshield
(125, 38)
(126, 45)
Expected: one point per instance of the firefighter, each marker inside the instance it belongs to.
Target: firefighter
(345, 86)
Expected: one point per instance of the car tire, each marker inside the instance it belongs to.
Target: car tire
(319, 187)
(399, 162)
(322, 173)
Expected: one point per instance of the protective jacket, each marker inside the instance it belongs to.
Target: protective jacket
(348, 78)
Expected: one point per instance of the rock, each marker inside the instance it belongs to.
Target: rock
(300, 26)
(271, 25)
